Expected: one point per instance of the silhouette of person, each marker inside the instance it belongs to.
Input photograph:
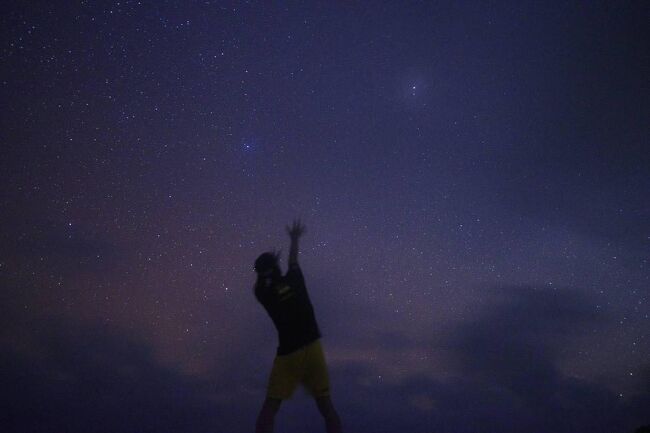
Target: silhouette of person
(300, 358)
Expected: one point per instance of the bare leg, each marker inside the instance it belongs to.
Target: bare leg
(266, 418)
(332, 421)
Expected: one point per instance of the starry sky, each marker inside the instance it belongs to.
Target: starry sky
(473, 176)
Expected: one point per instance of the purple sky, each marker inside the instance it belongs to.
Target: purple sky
(474, 179)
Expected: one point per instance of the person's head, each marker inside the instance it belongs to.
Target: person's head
(267, 265)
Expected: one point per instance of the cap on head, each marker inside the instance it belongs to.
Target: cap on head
(266, 262)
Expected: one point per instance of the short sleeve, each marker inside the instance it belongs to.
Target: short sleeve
(294, 275)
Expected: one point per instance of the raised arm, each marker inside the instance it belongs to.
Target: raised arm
(295, 232)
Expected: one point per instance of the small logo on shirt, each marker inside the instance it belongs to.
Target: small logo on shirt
(284, 292)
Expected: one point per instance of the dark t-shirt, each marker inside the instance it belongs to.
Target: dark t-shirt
(288, 304)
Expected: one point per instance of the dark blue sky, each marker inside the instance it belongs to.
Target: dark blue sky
(473, 177)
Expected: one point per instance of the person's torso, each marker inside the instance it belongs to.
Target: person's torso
(290, 308)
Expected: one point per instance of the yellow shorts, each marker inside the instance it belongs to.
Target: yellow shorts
(305, 366)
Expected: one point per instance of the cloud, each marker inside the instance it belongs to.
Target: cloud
(508, 380)
(63, 375)
(81, 378)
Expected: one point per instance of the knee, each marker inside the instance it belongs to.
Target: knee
(271, 407)
(326, 408)
(266, 417)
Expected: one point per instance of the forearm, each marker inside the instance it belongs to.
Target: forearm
(295, 231)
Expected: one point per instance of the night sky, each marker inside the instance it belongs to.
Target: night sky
(474, 178)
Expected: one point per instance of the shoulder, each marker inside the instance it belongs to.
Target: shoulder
(294, 273)
(294, 268)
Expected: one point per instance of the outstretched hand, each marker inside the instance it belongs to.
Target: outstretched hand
(296, 230)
